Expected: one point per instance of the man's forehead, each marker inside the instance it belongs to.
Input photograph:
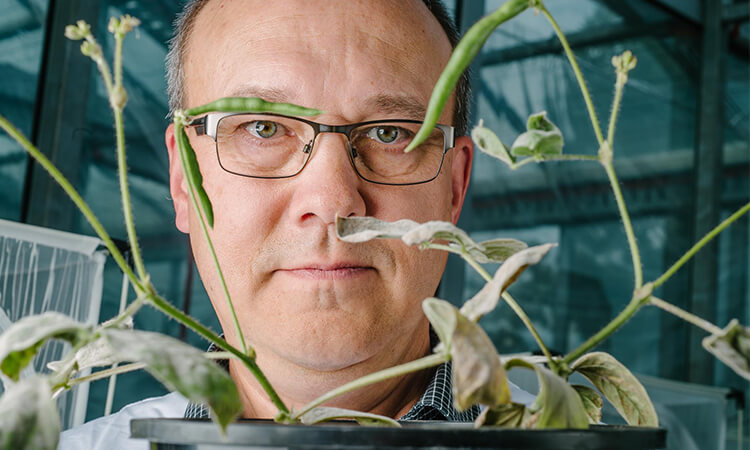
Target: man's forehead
(386, 103)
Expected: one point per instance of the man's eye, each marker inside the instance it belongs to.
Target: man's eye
(262, 128)
(385, 134)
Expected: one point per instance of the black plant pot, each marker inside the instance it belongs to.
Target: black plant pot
(168, 434)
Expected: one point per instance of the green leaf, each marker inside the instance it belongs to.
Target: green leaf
(591, 401)
(324, 414)
(426, 235)
(510, 415)
(96, 353)
(29, 418)
(478, 375)
(732, 347)
(180, 367)
(21, 342)
(487, 298)
(558, 405)
(619, 386)
(488, 142)
(442, 317)
(541, 139)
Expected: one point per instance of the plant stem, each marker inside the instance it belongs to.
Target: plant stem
(194, 200)
(529, 160)
(117, 101)
(131, 367)
(634, 251)
(76, 198)
(698, 245)
(578, 74)
(686, 316)
(619, 85)
(392, 372)
(248, 359)
(513, 305)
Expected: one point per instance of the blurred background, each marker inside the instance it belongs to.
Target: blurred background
(682, 152)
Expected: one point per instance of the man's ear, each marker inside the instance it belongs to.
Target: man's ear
(177, 184)
(463, 155)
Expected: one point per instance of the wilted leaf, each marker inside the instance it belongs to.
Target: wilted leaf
(324, 414)
(29, 418)
(510, 415)
(96, 353)
(361, 229)
(23, 339)
(619, 386)
(488, 142)
(486, 299)
(180, 367)
(541, 139)
(442, 317)
(558, 405)
(591, 401)
(495, 250)
(732, 347)
(478, 376)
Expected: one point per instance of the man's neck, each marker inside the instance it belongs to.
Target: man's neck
(297, 386)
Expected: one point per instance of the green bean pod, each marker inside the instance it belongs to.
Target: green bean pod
(462, 56)
(253, 105)
(192, 172)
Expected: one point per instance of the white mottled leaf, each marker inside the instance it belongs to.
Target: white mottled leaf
(97, 353)
(542, 138)
(29, 419)
(619, 386)
(442, 317)
(180, 367)
(558, 405)
(20, 343)
(510, 415)
(478, 375)
(488, 142)
(732, 347)
(324, 414)
(487, 298)
(425, 235)
(591, 401)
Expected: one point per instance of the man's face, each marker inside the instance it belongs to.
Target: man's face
(302, 295)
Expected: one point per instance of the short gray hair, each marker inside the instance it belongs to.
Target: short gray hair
(185, 22)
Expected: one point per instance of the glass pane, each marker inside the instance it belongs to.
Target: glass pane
(21, 43)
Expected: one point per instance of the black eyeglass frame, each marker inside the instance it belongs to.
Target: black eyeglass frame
(209, 123)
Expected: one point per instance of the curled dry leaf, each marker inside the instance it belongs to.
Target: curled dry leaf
(619, 386)
(489, 143)
(20, 343)
(541, 139)
(732, 347)
(558, 405)
(30, 420)
(324, 414)
(487, 298)
(180, 367)
(510, 415)
(426, 235)
(478, 375)
(591, 401)
(443, 318)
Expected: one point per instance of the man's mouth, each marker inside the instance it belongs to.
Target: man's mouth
(341, 271)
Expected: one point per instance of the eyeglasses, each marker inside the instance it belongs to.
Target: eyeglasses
(277, 146)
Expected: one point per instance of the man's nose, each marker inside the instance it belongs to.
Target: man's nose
(328, 185)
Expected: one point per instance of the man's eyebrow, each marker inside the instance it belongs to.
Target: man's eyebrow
(268, 94)
(404, 106)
